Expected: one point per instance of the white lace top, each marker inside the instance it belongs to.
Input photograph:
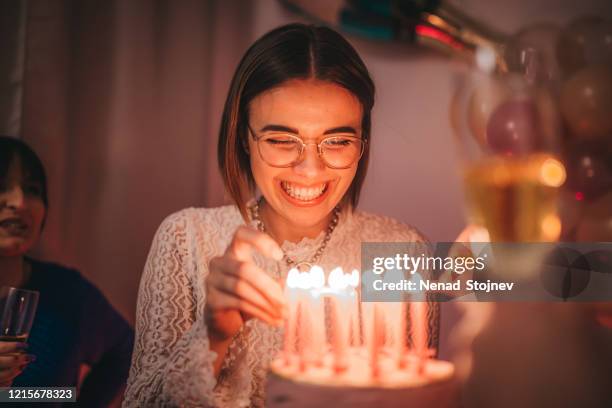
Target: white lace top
(172, 364)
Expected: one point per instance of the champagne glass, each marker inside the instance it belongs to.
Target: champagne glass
(508, 134)
(508, 131)
(18, 309)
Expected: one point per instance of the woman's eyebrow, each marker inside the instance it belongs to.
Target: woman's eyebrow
(341, 129)
(287, 129)
(279, 128)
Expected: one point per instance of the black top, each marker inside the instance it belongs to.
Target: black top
(75, 324)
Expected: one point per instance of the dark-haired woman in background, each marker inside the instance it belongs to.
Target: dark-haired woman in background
(74, 323)
(293, 152)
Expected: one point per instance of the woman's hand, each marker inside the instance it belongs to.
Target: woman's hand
(13, 360)
(237, 289)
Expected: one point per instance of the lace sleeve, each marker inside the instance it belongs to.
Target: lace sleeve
(172, 364)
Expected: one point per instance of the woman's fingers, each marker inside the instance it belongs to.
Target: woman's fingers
(243, 290)
(225, 300)
(11, 365)
(253, 275)
(7, 376)
(12, 347)
(9, 361)
(246, 239)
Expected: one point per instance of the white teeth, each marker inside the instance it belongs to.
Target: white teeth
(302, 193)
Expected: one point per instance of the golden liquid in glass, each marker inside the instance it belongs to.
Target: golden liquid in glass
(515, 198)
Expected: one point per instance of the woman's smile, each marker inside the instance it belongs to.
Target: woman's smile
(14, 227)
(302, 194)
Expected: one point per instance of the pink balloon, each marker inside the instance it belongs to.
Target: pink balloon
(513, 127)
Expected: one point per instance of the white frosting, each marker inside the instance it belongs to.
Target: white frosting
(358, 372)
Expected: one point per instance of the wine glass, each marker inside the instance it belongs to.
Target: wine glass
(18, 309)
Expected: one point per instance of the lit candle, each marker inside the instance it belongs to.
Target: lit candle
(317, 314)
(377, 339)
(353, 282)
(304, 325)
(397, 310)
(340, 305)
(290, 321)
(418, 317)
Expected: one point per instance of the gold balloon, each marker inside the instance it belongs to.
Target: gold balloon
(586, 102)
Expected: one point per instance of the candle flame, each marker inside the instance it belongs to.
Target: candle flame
(293, 278)
(317, 277)
(304, 281)
(336, 279)
(353, 280)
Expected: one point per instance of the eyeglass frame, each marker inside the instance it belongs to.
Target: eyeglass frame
(301, 156)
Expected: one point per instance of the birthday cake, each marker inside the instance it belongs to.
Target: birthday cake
(341, 352)
(435, 386)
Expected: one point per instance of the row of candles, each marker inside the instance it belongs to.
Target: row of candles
(379, 324)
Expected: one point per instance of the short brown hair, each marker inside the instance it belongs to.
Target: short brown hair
(293, 51)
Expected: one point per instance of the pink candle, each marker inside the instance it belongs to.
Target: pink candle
(290, 320)
(377, 339)
(339, 302)
(397, 312)
(418, 317)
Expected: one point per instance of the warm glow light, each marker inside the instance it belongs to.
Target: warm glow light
(304, 280)
(551, 227)
(479, 234)
(552, 173)
(336, 279)
(293, 278)
(317, 277)
(353, 279)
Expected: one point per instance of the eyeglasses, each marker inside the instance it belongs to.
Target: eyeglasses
(287, 150)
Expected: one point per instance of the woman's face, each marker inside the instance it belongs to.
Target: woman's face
(305, 194)
(21, 212)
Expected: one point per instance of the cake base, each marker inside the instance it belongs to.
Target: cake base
(317, 386)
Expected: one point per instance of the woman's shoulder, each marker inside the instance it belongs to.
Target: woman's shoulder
(215, 216)
(57, 272)
(380, 228)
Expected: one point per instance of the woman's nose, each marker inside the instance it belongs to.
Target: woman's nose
(311, 164)
(13, 198)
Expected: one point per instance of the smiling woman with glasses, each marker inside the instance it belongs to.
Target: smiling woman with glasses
(293, 153)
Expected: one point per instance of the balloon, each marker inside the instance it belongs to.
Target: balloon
(549, 119)
(589, 176)
(487, 96)
(513, 127)
(585, 41)
(532, 52)
(586, 102)
(597, 224)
